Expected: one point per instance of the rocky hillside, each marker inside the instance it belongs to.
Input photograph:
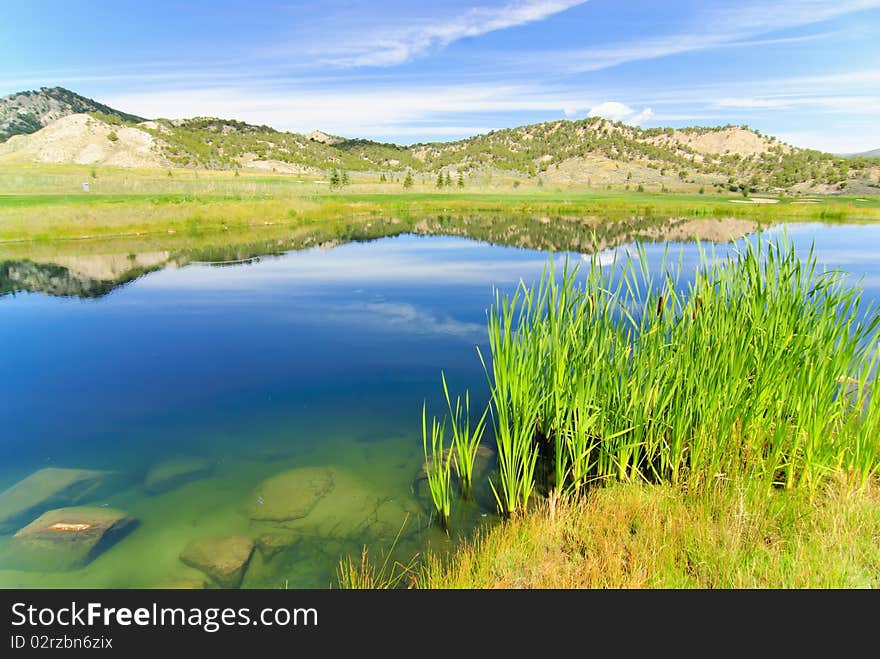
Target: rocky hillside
(27, 112)
(591, 152)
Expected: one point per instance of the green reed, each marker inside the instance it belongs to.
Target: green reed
(465, 443)
(761, 367)
(438, 466)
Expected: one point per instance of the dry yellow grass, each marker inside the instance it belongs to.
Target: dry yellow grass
(642, 536)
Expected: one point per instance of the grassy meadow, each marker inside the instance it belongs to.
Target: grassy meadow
(46, 202)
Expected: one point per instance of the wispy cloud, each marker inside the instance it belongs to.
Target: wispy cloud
(393, 48)
(834, 142)
(404, 317)
(727, 27)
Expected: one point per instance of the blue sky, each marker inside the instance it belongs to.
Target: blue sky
(807, 71)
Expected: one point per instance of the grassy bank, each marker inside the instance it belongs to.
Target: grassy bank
(47, 203)
(661, 536)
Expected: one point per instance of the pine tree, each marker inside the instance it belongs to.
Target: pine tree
(408, 181)
(440, 180)
(344, 178)
(448, 182)
(334, 179)
(460, 179)
(382, 178)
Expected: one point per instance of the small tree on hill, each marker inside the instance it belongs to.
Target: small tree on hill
(440, 180)
(448, 182)
(343, 179)
(335, 179)
(460, 179)
(408, 181)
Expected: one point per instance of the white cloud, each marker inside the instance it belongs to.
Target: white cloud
(611, 110)
(614, 111)
(410, 42)
(641, 117)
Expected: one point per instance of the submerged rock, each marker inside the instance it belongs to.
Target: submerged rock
(290, 495)
(344, 510)
(222, 559)
(274, 541)
(351, 508)
(44, 489)
(178, 471)
(68, 538)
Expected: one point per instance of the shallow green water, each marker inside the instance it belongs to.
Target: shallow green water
(317, 358)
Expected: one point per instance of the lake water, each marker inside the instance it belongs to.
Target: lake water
(192, 386)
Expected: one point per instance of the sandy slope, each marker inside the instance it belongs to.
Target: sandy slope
(730, 140)
(80, 139)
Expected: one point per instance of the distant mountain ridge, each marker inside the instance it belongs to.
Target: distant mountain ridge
(27, 112)
(873, 153)
(587, 152)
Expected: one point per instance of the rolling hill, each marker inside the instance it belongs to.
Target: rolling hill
(873, 153)
(29, 111)
(586, 152)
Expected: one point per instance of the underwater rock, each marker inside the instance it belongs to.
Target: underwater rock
(345, 510)
(274, 541)
(350, 508)
(306, 565)
(290, 495)
(175, 472)
(222, 559)
(67, 538)
(47, 488)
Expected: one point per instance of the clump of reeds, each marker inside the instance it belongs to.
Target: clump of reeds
(760, 367)
(438, 467)
(465, 442)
